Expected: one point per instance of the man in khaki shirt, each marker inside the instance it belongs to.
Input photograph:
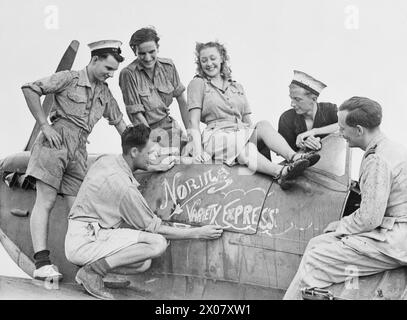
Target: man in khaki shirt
(108, 199)
(373, 238)
(58, 158)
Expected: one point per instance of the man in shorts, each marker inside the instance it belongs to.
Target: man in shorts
(58, 158)
(108, 202)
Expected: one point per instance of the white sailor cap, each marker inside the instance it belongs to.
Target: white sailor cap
(105, 46)
(307, 82)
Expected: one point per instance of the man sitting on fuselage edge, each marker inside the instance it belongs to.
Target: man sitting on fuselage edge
(373, 238)
(108, 198)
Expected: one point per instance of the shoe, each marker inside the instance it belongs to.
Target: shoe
(93, 283)
(294, 169)
(47, 272)
(312, 157)
(116, 284)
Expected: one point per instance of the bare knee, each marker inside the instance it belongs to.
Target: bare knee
(158, 245)
(144, 266)
(247, 154)
(242, 158)
(264, 124)
(45, 197)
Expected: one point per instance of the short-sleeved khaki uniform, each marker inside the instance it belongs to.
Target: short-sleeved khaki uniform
(222, 110)
(152, 97)
(108, 199)
(76, 110)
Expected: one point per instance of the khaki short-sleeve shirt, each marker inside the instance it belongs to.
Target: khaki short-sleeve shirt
(216, 104)
(152, 97)
(109, 195)
(76, 101)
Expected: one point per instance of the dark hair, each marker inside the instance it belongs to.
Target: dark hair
(143, 35)
(225, 70)
(135, 136)
(306, 92)
(103, 56)
(362, 111)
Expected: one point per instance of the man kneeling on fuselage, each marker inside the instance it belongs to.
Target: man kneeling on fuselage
(108, 199)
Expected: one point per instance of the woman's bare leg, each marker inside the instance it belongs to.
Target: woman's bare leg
(255, 161)
(272, 139)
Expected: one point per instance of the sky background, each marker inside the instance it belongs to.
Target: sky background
(355, 47)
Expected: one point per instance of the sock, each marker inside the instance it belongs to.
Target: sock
(101, 267)
(42, 258)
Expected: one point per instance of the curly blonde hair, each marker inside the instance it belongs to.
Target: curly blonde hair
(225, 70)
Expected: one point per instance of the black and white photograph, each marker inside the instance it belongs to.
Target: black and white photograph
(218, 152)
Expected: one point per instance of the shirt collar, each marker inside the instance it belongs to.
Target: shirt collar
(124, 165)
(139, 65)
(84, 79)
(229, 82)
(375, 141)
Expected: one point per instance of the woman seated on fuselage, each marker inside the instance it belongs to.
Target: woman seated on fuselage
(220, 102)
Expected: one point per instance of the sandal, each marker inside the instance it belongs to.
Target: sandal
(294, 169)
(312, 157)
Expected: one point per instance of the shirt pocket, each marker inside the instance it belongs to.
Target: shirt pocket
(146, 99)
(237, 98)
(166, 91)
(77, 104)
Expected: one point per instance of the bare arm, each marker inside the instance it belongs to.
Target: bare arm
(183, 109)
(308, 138)
(139, 118)
(34, 104)
(204, 232)
(194, 130)
(325, 130)
(121, 126)
(247, 119)
(194, 133)
(318, 131)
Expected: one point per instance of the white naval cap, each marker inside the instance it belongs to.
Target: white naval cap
(105, 46)
(307, 82)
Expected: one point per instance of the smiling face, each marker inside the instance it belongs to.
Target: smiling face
(141, 156)
(103, 68)
(147, 54)
(210, 61)
(352, 135)
(301, 101)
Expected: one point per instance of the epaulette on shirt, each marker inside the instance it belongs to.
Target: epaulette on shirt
(370, 151)
(165, 60)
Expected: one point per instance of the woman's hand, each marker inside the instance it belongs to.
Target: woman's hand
(188, 150)
(202, 156)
